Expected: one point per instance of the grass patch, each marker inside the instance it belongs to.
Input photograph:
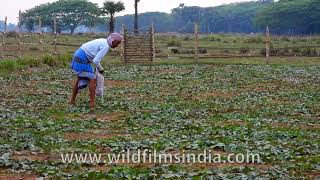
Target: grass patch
(8, 66)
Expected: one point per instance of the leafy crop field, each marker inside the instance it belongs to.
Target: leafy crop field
(272, 110)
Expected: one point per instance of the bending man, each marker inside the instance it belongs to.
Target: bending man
(86, 60)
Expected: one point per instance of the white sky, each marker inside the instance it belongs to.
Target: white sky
(11, 8)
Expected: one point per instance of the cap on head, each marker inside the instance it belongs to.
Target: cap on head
(114, 37)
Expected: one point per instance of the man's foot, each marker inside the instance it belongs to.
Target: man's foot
(73, 103)
(92, 105)
(92, 109)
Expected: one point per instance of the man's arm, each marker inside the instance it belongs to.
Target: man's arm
(97, 59)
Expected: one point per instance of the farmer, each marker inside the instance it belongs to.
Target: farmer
(86, 60)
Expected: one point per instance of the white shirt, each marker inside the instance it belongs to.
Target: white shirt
(96, 50)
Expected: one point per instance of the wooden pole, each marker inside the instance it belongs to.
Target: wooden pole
(5, 24)
(3, 37)
(125, 35)
(196, 33)
(55, 34)
(153, 48)
(19, 34)
(267, 42)
(40, 34)
(122, 44)
(40, 25)
(1, 46)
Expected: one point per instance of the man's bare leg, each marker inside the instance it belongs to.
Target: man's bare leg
(74, 92)
(92, 92)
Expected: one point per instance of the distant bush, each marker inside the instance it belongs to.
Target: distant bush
(186, 51)
(303, 40)
(187, 38)
(285, 38)
(296, 50)
(309, 52)
(162, 37)
(256, 40)
(283, 52)
(214, 38)
(174, 42)
(158, 51)
(274, 52)
(202, 51)
(34, 48)
(64, 39)
(226, 51)
(244, 50)
(12, 34)
(175, 51)
(263, 52)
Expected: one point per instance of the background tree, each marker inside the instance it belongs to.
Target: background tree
(29, 24)
(291, 16)
(233, 18)
(284, 16)
(136, 28)
(110, 8)
(69, 14)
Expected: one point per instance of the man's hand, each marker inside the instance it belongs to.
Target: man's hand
(101, 72)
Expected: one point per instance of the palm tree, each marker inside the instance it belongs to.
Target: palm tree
(136, 16)
(110, 8)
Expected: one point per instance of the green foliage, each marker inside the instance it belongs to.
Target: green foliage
(294, 17)
(214, 38)
(271, 110)
(29, 62)
(256, 40)
(296, 50)
(174, 42)
(29, 24)
(8, 66)
(34, 48)
(236, 17)
(309, 52)
(49, 60)
(110, 8)
(297, 16)
(69, 14)
(12, 34)
(56, 61)
(244, 50)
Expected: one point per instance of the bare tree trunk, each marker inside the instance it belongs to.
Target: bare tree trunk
(111, 24)
(136, 16)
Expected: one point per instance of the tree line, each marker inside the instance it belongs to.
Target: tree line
(283, 17)
(65, 15)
